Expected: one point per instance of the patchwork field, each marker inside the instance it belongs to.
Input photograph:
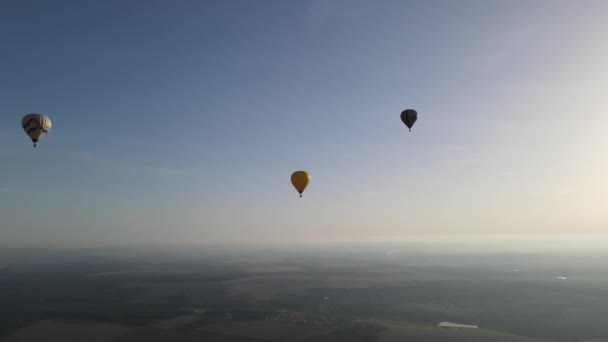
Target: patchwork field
(266, 330)
(55, 331)
(398, 332)
(319, 298)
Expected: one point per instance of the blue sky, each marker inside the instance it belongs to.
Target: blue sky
(181, 122)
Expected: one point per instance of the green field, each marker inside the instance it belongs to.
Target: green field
(55, 331)
(405, 331)
(266, 330)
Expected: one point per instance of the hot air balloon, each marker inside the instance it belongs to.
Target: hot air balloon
(300, 180)
(36, 126)
(409, 117)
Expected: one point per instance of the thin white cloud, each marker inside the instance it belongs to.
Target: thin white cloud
(83, 157)
(22, 191)
(122, 167)
(323, 10)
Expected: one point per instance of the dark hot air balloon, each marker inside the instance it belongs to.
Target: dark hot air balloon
(409, 117)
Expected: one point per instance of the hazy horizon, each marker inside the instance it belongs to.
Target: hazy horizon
(410, 245)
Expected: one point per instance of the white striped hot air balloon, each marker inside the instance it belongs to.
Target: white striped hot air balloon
(36, 126)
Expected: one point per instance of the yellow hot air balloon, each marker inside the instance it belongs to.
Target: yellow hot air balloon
(300, 180)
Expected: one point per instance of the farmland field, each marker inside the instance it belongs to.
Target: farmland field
(122, 297)
(55, 331)
(266, 330)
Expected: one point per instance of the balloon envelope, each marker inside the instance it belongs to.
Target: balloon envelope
(409, 117)
(300, 180)
(36, 126)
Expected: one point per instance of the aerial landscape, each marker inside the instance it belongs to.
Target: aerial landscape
(303, 170)
(334, 294)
